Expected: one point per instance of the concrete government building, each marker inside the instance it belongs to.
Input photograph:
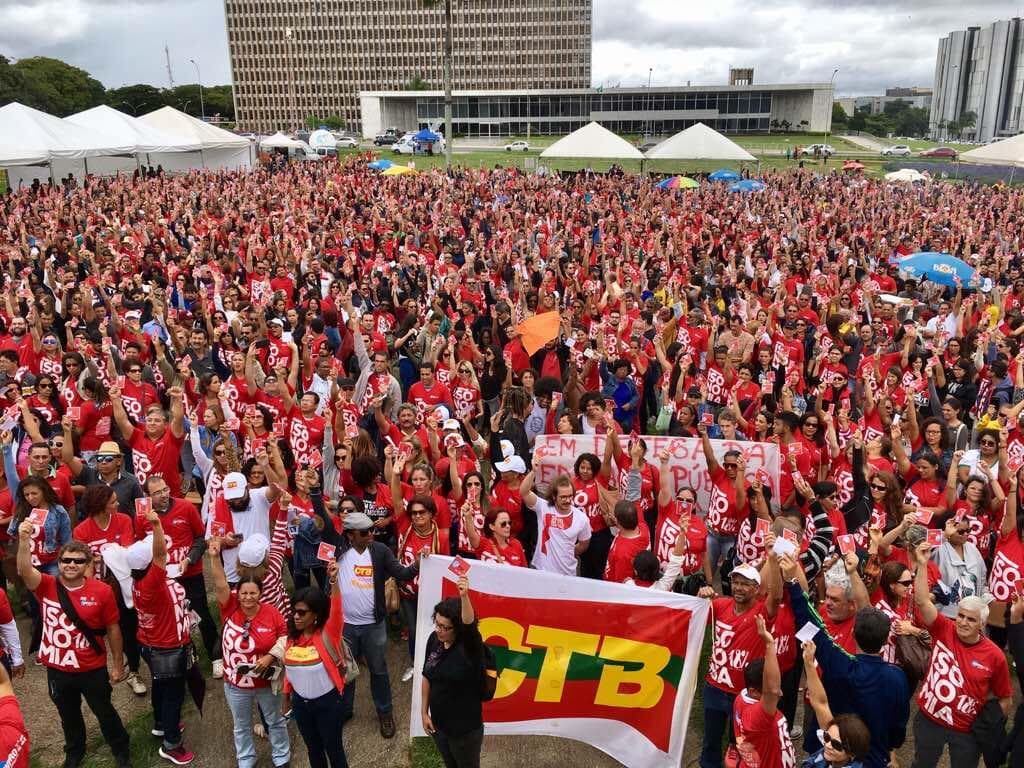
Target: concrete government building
(291, 59)
(981, 70)
(660, 111)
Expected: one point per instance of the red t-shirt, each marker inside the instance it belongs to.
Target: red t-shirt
(118, 531)
(668, 530)
(427, 399)
(507, 497)
(411, 546)
(961, 677)
(95, 425)
(182, 525)
(619, 565)
(14, 742)
(513, 554)
(1007, 566)
(136, 398)
(245, 641)
(157, 457)
(63, 647)
(305, 435)
(724, 517)
(761, 738)
(160, 603)
(588, 498)
(736, 643)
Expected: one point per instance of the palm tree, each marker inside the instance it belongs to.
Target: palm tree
(447, 77)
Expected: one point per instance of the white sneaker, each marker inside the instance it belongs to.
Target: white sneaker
(407, 675)
(218, 669)
(137, 686)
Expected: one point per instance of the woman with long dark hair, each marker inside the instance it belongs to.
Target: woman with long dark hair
(314, 666)
(451, 704)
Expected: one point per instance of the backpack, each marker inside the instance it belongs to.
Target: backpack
(488, 673)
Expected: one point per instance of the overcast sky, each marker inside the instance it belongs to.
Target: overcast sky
(873, 44)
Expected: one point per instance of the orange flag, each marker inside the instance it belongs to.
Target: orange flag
(538, 330)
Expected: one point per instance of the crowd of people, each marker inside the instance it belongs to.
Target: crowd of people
(281, 388)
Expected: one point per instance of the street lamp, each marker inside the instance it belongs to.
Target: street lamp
(185, 108)
(832, 83)
(199, 77)
(650, 102)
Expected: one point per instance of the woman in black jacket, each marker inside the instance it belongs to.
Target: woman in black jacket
(451, 705)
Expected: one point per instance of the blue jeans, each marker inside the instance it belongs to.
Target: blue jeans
(717, 718)
(319, 722)
(369, 641)
(240, 703)
(718, 545)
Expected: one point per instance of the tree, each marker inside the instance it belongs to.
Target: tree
(839, 116)
(58, 88)
(136, 99)
(331, 122)
(967, 121)
(417, 83)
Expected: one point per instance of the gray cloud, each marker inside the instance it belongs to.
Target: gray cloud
(874, 43)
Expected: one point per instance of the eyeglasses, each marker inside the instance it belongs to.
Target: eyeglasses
(44, 385)
(299, 611)
(875, 487)
(105, 459)
(828, 740)
(442, 627)
(906, 582)
(987, 442)
(73, 561)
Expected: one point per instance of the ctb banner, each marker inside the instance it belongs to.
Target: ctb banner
(612, 665)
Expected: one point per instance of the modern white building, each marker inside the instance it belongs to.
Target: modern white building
(652, 111)
(980, 70)
(292, 59)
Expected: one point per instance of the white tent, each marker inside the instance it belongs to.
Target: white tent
(906, 175)
(321, 138)
(593, 141)
(1007, 152)
(699, 142)
(219, 149)
(35, 145)
(131, 130)
(280, 141)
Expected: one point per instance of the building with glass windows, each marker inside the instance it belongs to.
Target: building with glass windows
(980, 70)
(650, 111)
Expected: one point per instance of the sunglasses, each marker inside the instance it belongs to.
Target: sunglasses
(730, 465)
(347, 510)
(505, 524)
(987, 442)
(105, 459)
(878, 487)
(906, 582)
(825, 738)
(811, 424)
(73, 561)
(44, 386)
(219, 452)
(300, 611)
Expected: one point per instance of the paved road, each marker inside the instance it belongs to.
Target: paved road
(866, 142)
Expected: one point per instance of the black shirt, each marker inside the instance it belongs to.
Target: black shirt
(455, 676)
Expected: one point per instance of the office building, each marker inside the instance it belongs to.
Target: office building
(920, 98)
(291, 59)
(654, 111)
(980, 70)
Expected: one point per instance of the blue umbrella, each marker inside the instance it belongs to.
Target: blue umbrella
(427, 135)
(724, 174)
(747, 185)
(939, 268)
(381, 165)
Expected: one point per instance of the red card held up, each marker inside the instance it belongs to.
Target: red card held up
(789, 535)
(924, 516)
(325, 552)
(315, 459)
(38, 516)
(847, 544)
(458, 566)
(219, 530)
(763, 526)
(934, 537)
(143, 505)
(75, 413)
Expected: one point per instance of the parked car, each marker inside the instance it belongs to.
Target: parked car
(823, 149)
(940, 152)
(346, 142)
(517, 146)
(407, 145)
(388, 137)
(897, 150)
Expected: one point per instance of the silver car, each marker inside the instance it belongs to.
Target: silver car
(897, 150)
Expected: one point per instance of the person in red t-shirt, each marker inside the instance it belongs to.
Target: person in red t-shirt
(966, 668)
(727, 503)
(736, 644)
(428, 393)
(156, 448)
(77, 664)
(14, 741)
(632, 538)
(762, 733)
(163, 634)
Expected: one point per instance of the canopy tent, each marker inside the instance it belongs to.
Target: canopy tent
(219, 149)
(130, 130)
(906, 175)
(35, 145)
(699, 142)
(321, 138)
(593, 141)
(1008, 152)
(280, 141)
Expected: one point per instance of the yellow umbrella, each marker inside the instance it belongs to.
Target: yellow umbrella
(398, 170)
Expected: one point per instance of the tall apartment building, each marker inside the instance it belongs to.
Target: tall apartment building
(981, 70)
(294, 58)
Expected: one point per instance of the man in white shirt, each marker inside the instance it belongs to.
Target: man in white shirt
(563, 528)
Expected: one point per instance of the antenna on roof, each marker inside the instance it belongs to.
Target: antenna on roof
(170, 75)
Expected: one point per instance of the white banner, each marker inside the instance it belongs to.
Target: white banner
(612, 665)
(687, 464)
